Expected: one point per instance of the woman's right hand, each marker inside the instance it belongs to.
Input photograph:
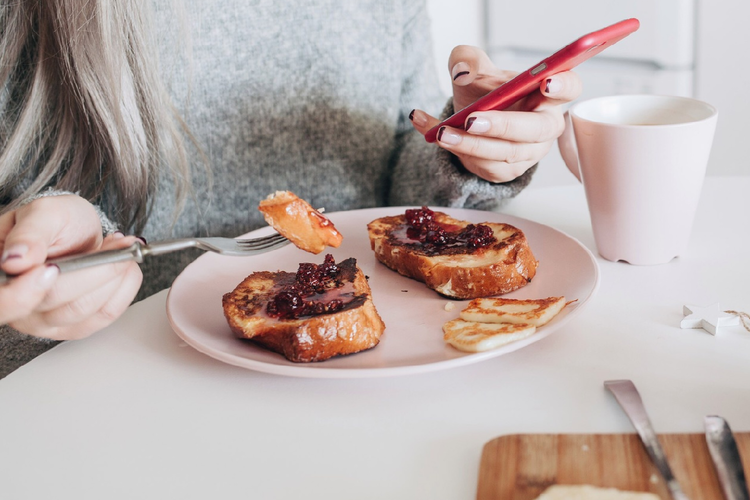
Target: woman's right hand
(41, 302)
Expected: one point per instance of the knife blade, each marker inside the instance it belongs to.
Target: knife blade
(726, 458)
(630, 401)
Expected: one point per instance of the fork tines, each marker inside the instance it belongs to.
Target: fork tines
(267, 242)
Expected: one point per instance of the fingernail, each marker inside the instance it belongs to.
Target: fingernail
(459, 70)
(118, 234)
(477, 124)
(14, 252)
(418, 118)
(553, 86)
(448, 137)
(143, 240)
(51, 271)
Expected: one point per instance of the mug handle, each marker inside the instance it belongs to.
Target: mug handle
(568, 149)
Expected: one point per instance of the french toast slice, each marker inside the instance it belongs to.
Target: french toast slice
(456, 271)
(299, 222)
(470, 336)
(535, 312)
(353, 327)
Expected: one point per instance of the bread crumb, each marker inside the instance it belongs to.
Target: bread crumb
(585, 447)
(654, 479)
(449, 306)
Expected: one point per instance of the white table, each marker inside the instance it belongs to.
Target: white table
(134, 413)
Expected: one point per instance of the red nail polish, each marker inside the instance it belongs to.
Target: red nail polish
(469, 122)
(546, 87)
(411, 115)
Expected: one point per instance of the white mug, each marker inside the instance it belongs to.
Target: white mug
(642, 160)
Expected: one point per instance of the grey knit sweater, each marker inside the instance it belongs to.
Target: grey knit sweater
(310, 96)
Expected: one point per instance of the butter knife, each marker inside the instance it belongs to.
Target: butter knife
(726, 458)
(630, 400)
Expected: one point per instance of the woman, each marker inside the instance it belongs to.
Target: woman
(175, 121)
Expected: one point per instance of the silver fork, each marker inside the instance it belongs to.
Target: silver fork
(137, 251)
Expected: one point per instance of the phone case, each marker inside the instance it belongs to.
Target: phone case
(523, 84)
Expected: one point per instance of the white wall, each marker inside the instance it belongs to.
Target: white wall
(723, 79)
(454, 23)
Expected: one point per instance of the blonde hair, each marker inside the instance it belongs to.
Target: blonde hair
(83, 108)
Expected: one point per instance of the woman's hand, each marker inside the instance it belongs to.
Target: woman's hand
(39, 301)
(500, 145)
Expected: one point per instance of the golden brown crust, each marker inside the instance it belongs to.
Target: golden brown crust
(499, 268)
(355, 328)
(299, 222)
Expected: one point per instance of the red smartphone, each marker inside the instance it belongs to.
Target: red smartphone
(522, 85)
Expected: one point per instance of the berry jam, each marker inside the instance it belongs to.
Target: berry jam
(424, 228)
(310, 283)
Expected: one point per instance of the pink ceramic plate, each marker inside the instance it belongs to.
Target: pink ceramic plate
(413, 314)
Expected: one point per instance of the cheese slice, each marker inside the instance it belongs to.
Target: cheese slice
(535, 312)
(470, 336)
(588, 492)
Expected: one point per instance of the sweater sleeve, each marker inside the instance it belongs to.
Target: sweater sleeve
(108, 227)
(424, 173)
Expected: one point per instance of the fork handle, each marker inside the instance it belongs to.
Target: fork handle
(134, 252)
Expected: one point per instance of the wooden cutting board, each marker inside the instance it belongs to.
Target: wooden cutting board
(522, 466)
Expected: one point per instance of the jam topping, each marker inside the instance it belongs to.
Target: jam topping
(422, 227)
(309, 294)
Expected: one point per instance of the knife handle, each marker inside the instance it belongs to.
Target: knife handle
(630, 400)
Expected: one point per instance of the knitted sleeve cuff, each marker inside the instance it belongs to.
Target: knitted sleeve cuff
(468, 190)
(108, 227)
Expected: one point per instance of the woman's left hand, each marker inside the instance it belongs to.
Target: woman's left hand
(499, 146)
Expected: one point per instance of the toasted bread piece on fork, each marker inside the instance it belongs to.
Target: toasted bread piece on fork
(299, 222)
